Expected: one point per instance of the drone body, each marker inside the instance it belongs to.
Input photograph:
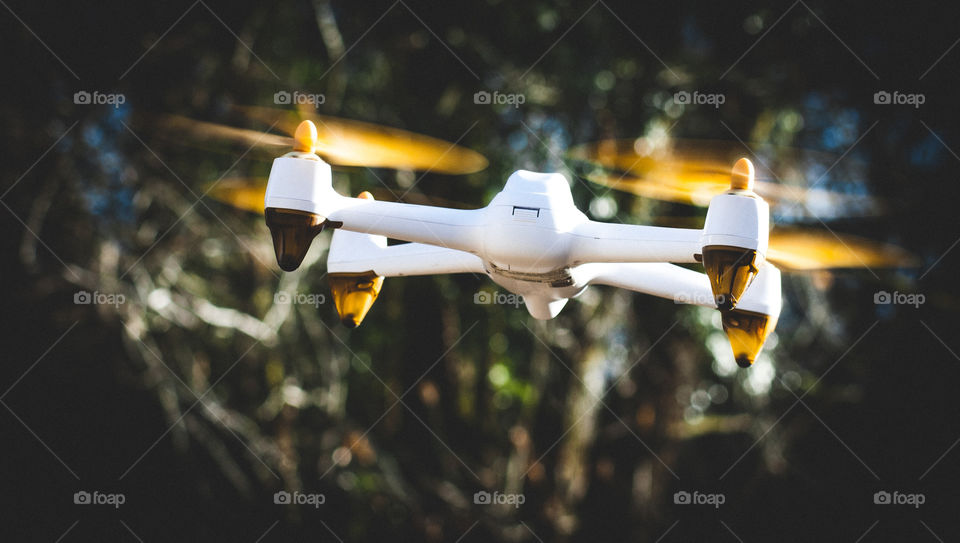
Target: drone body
(533, 241)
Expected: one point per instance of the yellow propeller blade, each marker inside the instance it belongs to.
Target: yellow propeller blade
(354, 143)
(692, 172)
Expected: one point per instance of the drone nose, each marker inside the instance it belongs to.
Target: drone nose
(292, 232)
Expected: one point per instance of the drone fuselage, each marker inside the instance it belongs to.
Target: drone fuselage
(533, 241)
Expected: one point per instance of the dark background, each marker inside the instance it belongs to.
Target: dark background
(598, 417)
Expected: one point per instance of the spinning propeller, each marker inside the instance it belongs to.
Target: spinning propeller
(693, 172)
(339, 142)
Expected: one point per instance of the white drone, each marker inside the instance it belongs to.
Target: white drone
(533, 241)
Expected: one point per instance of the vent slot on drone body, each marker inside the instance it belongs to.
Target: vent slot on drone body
(530, 214)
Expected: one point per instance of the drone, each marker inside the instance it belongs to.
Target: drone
(531, 239)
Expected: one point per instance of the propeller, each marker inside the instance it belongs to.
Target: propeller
(177, 127)
(340, 142)
(808, 248)
(692, 172)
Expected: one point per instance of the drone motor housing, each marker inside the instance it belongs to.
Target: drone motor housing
(753, 320)
(747, 332)
(735, 237)
(299, 183)
(354, 295)
(353, 292)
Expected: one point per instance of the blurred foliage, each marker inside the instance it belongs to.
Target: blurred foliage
(200, 397)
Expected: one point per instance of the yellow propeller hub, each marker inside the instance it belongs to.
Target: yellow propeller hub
(355, 293)
(741, 178)
(305, 138)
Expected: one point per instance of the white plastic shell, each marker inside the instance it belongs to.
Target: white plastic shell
(301, 184)
(737, 220)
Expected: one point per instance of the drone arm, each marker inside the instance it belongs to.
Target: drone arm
(685, 286)
(658, 279)
(301, 190)
(447, 228)
(351, 252)
(607, 242)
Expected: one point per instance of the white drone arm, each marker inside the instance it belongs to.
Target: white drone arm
(444, 227)
(352, 252)
(686, 286)
(305, 185)
(657, 279)
(608, 242)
